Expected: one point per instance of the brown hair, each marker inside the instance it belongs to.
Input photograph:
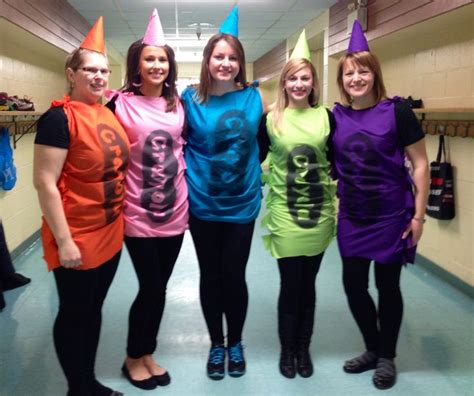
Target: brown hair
(74, 61)
(132, 75)
(293, 66)
(206, 80)
(364, 59)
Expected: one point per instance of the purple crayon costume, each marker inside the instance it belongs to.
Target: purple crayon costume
(374, 187)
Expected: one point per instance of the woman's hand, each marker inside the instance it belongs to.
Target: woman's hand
(69, 254)
(415, 227)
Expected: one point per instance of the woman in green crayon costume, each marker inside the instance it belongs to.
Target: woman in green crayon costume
(300, 204)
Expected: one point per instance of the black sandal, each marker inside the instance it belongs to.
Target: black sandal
(366, 361)
(385, 374)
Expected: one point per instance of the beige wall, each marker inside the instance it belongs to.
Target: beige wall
(434, 60)
(438, 66)
(31, 67)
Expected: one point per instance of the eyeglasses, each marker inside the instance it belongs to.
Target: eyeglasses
(94, 70)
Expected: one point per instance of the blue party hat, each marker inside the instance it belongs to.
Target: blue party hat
(231, 23)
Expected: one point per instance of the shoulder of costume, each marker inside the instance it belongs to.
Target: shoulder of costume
(60, 102)
(339, 105)
(253, 84)
(112, 94)
(189, 90)
(396, 99)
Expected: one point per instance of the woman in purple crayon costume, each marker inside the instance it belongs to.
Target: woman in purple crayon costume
(382, 207)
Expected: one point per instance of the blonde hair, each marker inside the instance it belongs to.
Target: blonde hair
(364, 59)
(293, 66)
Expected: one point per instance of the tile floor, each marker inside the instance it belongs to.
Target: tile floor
(435, 353)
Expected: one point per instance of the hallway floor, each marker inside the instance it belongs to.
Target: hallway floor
(435, 350)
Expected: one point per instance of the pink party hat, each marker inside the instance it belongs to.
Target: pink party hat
(358, 42)
(154, 32)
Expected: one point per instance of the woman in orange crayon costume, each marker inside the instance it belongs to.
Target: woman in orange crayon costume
(81, 154)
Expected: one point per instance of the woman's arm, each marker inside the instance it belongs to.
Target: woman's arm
(417, 155)
(47, 166)
(264, 104)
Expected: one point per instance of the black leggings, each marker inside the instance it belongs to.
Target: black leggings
(153, 259)
(379, 329)
(77, 327)
(223, 250)
(297, 284)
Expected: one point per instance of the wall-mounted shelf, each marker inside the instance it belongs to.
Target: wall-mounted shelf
(19, 123)
(439, 125)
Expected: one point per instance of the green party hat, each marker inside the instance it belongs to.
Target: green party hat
(301, 49)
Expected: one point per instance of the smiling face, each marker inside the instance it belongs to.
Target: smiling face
(89, 80)
(154, 67)
(358, 82)
(298, 87)
(224, 63)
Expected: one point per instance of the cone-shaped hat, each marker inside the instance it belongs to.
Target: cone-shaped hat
(358, 42)
(231, 23)
(301, 49)
(154, 32)
(94, 40)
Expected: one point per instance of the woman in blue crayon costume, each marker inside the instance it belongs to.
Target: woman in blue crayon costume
(223, 176)
(381, 206)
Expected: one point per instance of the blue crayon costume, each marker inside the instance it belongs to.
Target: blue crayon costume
(223, 169)
(223, 176)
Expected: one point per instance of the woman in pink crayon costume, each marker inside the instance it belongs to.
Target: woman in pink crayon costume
(156, 206)
(381, 206)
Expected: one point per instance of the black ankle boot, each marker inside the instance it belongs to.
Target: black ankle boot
(286, 330)
(303, 340)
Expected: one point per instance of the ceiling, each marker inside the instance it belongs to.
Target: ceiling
(263, 23)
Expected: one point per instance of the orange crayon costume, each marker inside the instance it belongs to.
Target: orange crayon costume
(91, 184)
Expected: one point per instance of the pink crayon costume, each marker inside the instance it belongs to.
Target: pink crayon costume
(156, 198)
(156, 202)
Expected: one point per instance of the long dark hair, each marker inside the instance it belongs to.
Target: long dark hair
(205, 82)
(132, 75)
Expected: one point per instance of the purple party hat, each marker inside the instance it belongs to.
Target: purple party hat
(358, 42)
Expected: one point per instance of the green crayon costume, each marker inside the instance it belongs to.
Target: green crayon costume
(301, 199)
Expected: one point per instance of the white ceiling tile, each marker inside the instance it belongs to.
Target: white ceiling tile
(263, 23)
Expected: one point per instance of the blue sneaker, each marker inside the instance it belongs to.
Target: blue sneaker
(236, 365)
(215, 364)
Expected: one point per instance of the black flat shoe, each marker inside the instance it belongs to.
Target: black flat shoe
(14, 280)
(385, 374)
(147, 384)
(366, 361)
(163, 379)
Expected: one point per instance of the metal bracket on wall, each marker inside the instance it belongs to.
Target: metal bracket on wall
(447, 127)
(19, 123)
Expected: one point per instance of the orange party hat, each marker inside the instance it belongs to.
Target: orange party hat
(94, 40)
